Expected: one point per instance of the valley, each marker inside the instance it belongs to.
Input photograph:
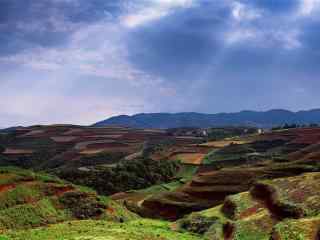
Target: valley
(75, 182)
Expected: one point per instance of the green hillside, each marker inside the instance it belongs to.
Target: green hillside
(40, 206)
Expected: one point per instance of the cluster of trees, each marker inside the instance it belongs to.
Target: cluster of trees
(152, 146)
(100, 158)
(294, 125)
(126, 175)
(222, 133)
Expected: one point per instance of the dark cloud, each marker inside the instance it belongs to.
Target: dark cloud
(47, 23)
(179, 44)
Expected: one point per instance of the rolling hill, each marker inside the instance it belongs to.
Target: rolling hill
(249, 118)
(75, 182)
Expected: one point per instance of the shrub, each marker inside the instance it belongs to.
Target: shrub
(83, 205)
(196, 223)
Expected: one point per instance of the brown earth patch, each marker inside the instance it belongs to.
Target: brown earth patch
(189, 158)
(7, 187)
(17, 151)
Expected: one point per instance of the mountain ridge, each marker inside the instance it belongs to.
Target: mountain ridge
(263, 119)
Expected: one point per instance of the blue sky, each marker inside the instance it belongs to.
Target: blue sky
(80, 61)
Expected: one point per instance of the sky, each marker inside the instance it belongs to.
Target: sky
(81, 61)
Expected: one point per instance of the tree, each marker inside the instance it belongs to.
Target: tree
(2, 149)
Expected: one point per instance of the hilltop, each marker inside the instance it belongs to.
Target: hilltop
(244, 118)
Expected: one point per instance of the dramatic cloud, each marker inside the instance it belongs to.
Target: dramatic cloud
(81, 61)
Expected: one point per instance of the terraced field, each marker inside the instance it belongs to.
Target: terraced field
(282, 209)
(67, 144)
(214, 182)
(262, 186)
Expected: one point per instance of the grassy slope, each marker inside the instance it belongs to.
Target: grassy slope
(102, 230)
(28, 200)
(260, 214)
(31, 208)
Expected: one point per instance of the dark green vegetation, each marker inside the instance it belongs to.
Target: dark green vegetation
(232, 152)
(288, 126)
(125, 175)
(214, 134)
(252, 152)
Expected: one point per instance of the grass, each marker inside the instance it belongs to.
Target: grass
(257, 227)
(31, 215)
(209, 158)
(19, 195)
(29, 199)
(102, 230)
(185, 174)
(231, 152)
(223, 143)
(299, 193)
(302, 229)
(116, 211)
(214, 212)
(186, 171)
(14, 174)
(242, 206)
(161, 187)
(250, 218)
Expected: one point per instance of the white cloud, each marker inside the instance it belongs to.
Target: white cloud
(155, 10)
(240, 35)
(144, 16)
(287, 39)
(243, 12)
(246, 27)
(308, 7)
(94, 51)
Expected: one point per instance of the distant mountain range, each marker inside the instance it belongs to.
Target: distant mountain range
(265, 119)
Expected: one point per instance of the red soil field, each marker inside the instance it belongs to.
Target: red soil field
(6, 187)
(106, 145)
